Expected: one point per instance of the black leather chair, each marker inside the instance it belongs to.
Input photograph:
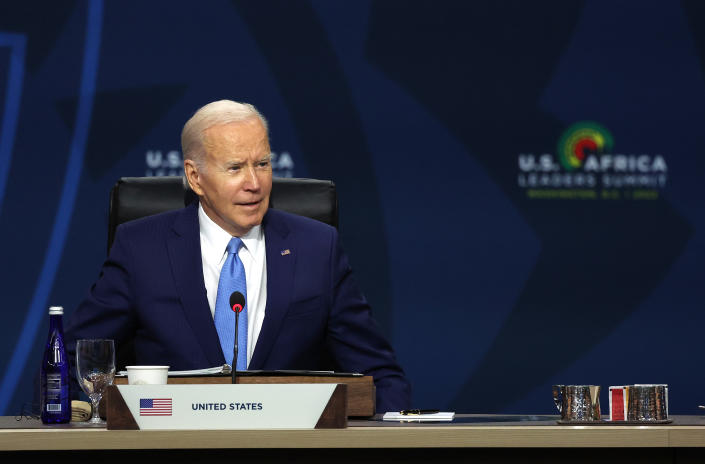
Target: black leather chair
(136, 197)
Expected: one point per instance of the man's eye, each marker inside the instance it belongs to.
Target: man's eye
(264, 163)
(235, 167)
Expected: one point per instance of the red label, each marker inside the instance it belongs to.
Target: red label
(617, 412)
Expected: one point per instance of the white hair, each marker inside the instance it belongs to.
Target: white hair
(216, 113)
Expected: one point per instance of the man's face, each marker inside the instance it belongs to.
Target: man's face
(236, 179)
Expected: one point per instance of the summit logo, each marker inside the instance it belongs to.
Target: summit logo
(580, 141)
(587, 166)
(170, 163)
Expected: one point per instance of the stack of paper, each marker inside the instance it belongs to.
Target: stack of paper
(224, 369)
(80, 411)
(438, 416)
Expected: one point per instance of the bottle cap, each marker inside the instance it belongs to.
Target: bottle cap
(56, 310)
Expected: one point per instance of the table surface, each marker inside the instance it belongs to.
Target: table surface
(468, 431)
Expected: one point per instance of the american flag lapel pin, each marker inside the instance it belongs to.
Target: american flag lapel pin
(286, 252)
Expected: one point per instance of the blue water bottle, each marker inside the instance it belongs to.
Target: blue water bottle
(54, 394)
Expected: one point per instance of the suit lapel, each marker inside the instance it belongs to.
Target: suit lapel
(184, 246)
(280, 278)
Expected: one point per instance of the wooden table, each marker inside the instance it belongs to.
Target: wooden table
(542, 438)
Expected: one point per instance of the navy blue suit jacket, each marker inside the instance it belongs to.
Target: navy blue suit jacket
(151, 290)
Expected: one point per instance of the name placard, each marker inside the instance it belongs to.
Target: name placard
(217, 407)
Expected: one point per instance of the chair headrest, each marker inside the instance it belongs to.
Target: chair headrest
(135, 197)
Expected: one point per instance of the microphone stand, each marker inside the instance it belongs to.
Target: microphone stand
(234, 366)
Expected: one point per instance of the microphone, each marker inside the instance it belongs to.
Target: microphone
(237, 304)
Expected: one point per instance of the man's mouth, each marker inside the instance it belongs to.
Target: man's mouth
(252, 204)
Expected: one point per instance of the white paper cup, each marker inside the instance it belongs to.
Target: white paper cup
(147, 375)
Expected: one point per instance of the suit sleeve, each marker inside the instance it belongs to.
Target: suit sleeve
(355, 339)
(106, 312)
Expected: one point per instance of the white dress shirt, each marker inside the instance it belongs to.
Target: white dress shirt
(214, 241)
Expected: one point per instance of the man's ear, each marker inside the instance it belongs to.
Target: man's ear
(192, 176)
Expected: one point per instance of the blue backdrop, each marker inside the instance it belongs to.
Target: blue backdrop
(519, 181)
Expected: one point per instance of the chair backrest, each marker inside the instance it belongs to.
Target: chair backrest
(136, 197)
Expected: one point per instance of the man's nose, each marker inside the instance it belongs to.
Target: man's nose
(251, 180)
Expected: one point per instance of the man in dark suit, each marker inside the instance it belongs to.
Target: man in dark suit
(165, 279)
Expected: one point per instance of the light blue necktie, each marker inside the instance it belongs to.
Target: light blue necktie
(232, 279)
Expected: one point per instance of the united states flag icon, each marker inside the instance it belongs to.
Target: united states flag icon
(155, 406)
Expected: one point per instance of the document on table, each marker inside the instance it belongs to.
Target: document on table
(225, 369)
(438, 416)
(218, 370)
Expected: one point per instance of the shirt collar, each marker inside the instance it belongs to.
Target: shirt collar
(218, 239)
